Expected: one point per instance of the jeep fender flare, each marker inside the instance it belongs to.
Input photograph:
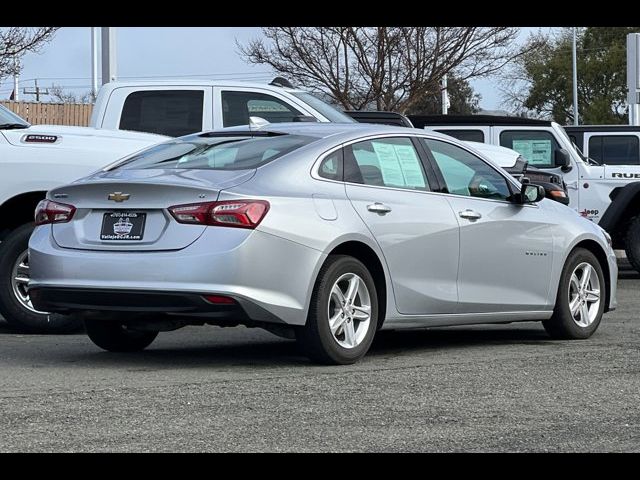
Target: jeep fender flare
(614, 214)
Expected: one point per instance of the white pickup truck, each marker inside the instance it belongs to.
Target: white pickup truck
(35, 159)
(176, 108)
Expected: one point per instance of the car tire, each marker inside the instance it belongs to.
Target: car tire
(114, 336)
(632, 243)
(13, 296)
(350, 335)
(580, 323)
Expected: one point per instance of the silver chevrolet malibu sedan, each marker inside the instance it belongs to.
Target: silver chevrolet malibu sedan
(320, 232)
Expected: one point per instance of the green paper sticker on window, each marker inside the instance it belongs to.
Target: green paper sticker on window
(537, 152)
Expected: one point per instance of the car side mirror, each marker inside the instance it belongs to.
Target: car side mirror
(531, 193)
(562, 159)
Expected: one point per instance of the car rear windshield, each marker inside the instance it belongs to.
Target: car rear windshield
(216, 153)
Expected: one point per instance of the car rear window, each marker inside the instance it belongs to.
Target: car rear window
(216, 153)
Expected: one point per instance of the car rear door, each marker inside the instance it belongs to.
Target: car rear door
(506, 249)
(390, 188)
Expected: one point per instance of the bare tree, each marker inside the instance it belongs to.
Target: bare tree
(515, 82)
(59, 94)
(389, 68)
(16, 41)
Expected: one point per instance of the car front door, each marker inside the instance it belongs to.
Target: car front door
(390, 186)
(239, 104)
(506, 249)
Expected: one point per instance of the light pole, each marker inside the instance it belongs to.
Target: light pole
(109, 61)
(94, 61)
(445, 96)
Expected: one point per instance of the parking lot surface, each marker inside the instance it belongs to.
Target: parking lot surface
(480, 388)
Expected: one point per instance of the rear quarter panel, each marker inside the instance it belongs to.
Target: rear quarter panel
(308, 211)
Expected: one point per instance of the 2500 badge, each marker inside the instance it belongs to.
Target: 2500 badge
(123, 226)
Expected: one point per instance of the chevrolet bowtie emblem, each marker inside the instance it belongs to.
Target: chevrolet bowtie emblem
(118, 196)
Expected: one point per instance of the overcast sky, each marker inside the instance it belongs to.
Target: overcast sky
(164, 51)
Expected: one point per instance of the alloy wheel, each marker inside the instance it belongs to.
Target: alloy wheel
(349, 312)
(20, 282)
(584, 294)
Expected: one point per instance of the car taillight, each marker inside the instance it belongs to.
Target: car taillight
(53, 212)
(229, 213)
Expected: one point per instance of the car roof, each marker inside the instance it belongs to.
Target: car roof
(328, 129)
(197, 83)
(484, 120)
(608, 128)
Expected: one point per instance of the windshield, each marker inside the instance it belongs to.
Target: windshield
(8, 117)
(324, 108)
(216, 153)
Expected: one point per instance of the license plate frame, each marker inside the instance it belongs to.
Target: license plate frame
(123, 226)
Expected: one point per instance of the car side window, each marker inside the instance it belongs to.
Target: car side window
(615, 149)
(465, 174)
(331, 166)
(166, 112)
(537, 146)
(385, 162)
(466, 135)
(237, 107)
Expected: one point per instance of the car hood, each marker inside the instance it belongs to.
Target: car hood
(73, 135)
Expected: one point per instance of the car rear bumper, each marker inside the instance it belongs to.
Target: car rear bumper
(131, 304)
(269, 277)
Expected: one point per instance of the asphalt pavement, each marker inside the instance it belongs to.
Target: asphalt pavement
(482, 388)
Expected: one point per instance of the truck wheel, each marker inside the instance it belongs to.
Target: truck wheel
(15, 304)
(632, 243)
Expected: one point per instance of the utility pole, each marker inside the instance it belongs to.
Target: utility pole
(109, 61)
(445, 96)
(37, 91)
(575, 80)
(94, 61)
(633, 77)
(16, 81)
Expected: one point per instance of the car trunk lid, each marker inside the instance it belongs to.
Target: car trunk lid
(128, 209)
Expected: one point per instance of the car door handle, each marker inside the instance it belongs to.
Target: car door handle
(378, 208)
(470, 214)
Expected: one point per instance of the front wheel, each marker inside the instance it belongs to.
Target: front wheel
(115, 337)
(343, 313)
(580, 299)
(15, 303)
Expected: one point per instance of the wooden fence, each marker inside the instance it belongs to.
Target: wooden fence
(77, 114)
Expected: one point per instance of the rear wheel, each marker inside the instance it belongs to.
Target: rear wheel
(343, 313)
(15, 303)
(580, 299)
(632, 243)
(116, 337)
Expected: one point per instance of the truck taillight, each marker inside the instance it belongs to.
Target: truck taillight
(229, 213)
(53, 212)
